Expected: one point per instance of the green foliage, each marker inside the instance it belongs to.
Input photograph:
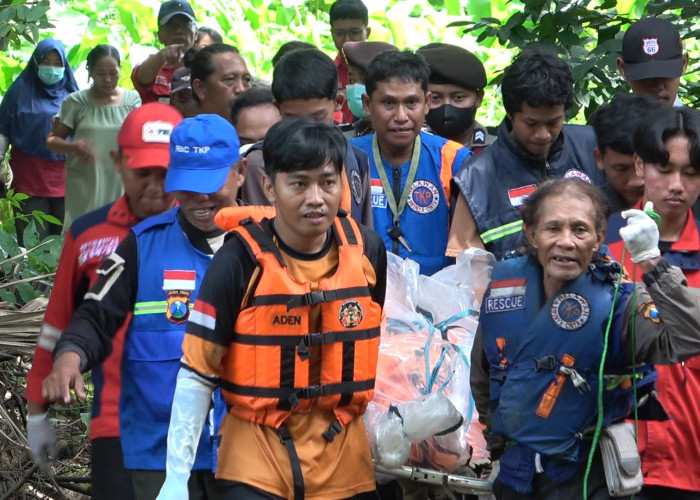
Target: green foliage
(25, 273)
(21, 21)
(588, 34)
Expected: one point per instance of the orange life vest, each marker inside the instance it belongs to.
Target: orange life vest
(266, 370)
(229, 218)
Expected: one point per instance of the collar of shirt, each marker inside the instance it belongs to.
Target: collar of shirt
(120, 214)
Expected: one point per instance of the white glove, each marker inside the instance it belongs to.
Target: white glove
(189, 411)
(42, 439)
(641, 234)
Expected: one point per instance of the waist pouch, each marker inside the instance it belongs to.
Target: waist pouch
(621, 462)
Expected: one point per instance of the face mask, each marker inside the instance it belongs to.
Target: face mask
(50, 75)
(450, 121)
(354, 93)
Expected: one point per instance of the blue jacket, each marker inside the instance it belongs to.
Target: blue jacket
(495, 182)
(544, 358)
(426, 219)
(170, 271)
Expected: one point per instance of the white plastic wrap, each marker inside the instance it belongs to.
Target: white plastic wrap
(423, 365)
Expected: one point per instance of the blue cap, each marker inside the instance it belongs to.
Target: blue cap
(202, 151)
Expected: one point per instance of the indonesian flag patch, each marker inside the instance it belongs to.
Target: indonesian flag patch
(517, 196)
(179, 280)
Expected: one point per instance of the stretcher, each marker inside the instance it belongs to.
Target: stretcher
(453, 482)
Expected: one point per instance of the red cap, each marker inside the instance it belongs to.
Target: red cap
(144, 137)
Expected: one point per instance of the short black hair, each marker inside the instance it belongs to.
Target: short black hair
(574, 188)
(100, 51)
(211, 32)
(666, 123)
(302, 144)
(615, 122)
(539, 78)
(305, 74)
(254, 96)
(404, 66)
(348, 9)
(201, 62)
(288, 47)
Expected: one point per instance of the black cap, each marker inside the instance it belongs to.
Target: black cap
(361, 53)
(173, 8)
(452, 64)
(652, 48)
(181, 80)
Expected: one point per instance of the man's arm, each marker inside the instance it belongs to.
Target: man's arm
(147, 71)
(667, 318)
(208, 335)
(191, 404)
(479, 384)
(87, 340)
(463, 231)
(57, 316)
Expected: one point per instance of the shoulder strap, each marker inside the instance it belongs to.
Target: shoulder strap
(258, 239)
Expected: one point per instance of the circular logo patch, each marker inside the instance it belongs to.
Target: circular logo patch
(570, 311)
(350, 314)
(423, 197)
(577, 174)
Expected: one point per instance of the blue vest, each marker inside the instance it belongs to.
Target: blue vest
(495, 182)
(425, 220)
(170, 271)
(544, 358)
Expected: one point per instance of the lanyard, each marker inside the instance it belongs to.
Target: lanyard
(396, 209)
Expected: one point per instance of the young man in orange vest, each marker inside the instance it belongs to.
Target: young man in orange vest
(295, 397)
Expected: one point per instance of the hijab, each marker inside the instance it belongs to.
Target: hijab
(29, 105)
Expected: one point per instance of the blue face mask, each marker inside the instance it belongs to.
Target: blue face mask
(354, 93)
(50, 75)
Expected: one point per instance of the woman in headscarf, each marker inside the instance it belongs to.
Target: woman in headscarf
(92, 118)
(26, 116)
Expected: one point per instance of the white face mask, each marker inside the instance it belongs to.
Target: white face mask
(50, 75)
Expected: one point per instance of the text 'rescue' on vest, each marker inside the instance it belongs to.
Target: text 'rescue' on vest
(267, 370)
(544, 355)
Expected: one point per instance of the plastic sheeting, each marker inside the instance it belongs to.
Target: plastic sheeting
(422, 413)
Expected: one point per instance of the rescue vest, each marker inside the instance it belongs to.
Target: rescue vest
(544, 355)
(170, 272)
(425, 221)
(266, 373)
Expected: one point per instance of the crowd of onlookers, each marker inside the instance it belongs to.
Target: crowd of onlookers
(416, 167)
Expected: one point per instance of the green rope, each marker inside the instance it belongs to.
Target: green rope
(601, 369)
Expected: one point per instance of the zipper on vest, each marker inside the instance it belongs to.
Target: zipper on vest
(397, 196)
